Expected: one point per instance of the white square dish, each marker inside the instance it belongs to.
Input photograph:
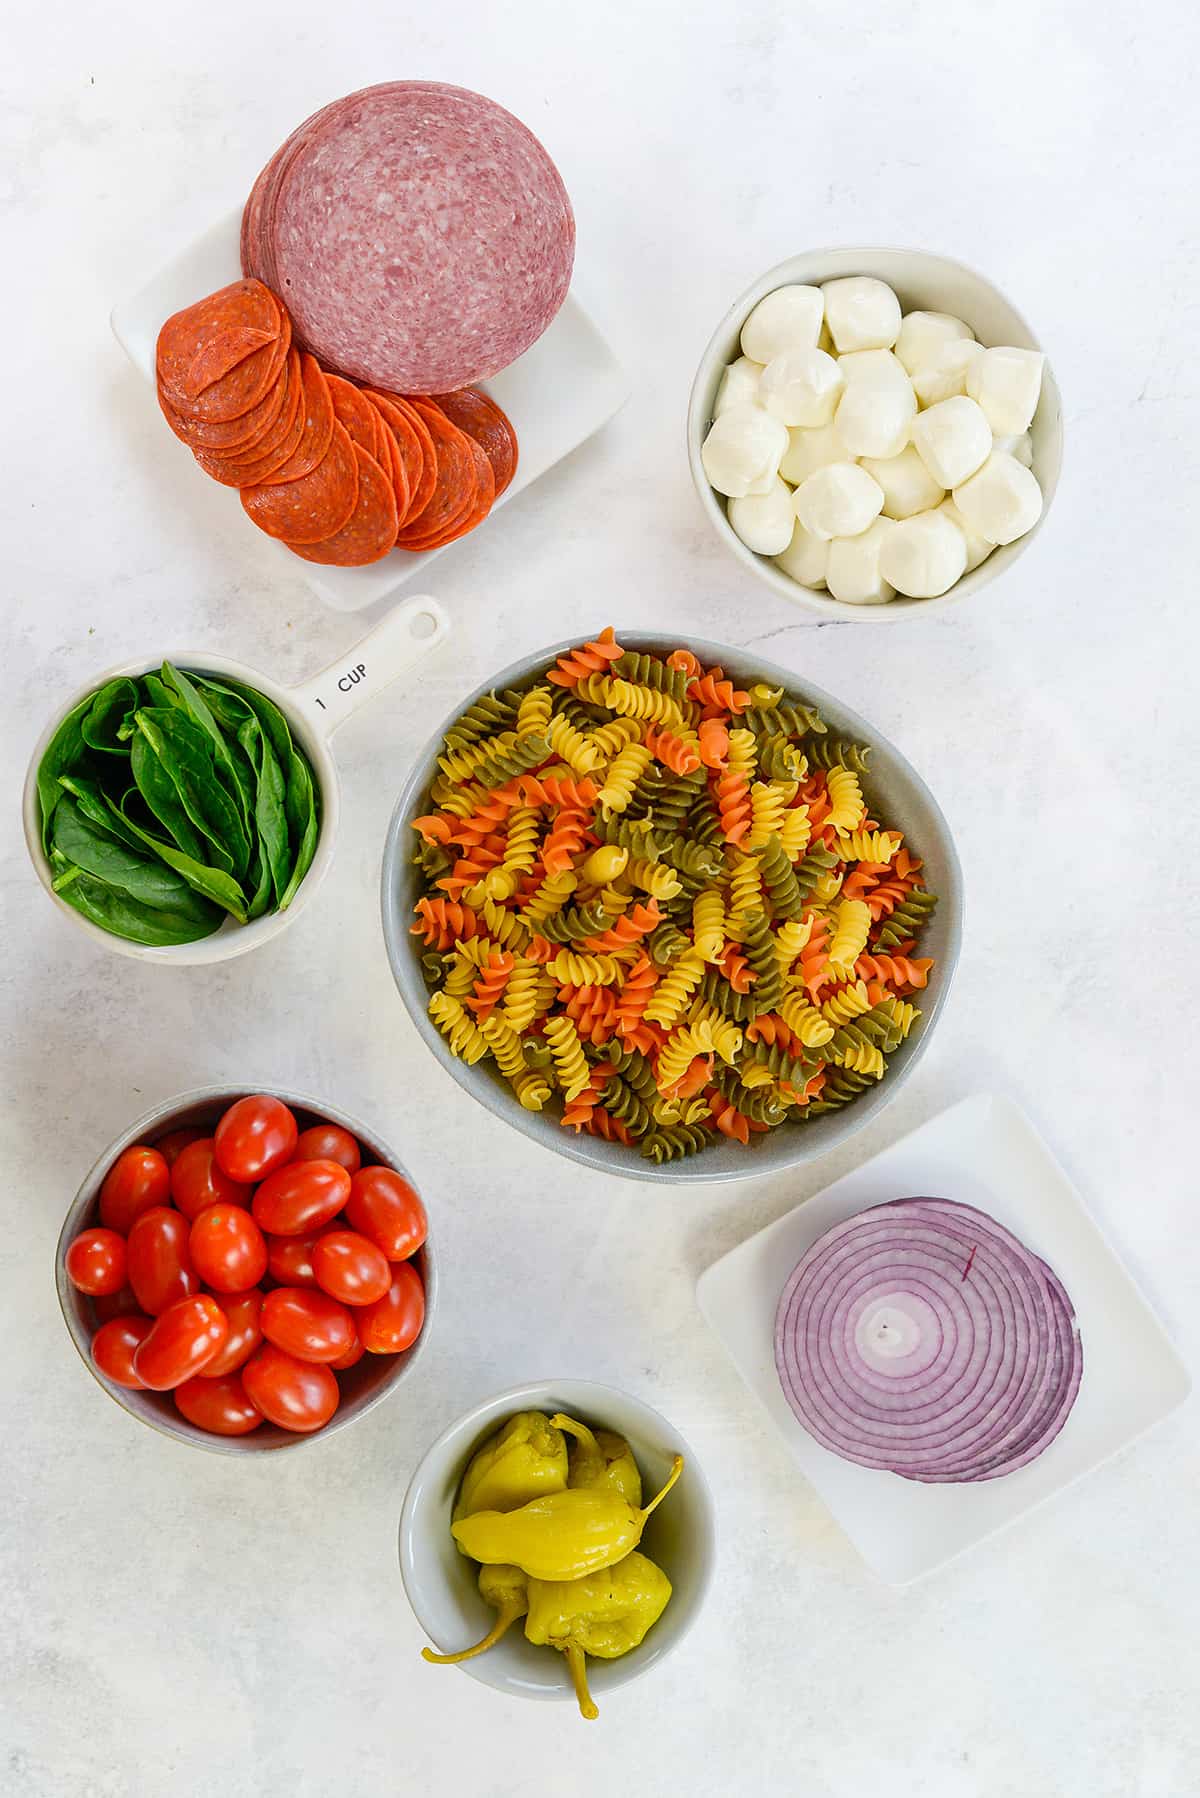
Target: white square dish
(984, 1152)
(557, 395)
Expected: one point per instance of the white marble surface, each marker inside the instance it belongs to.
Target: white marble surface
(184, 1624)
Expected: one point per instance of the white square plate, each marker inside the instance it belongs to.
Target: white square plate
(557, 394)
(986, 1153)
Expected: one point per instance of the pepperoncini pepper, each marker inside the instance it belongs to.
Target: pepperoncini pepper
(605, 1614)
(525, 1459)
(600, 1458)
(564, 1535)
(506, 1590)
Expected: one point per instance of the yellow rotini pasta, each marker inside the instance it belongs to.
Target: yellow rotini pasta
(464, 1036)
(852, 923)
(622, 777)
(708, 923)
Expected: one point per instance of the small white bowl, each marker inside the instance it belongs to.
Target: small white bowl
(441, 1582)
(922, 281)
(313, 710)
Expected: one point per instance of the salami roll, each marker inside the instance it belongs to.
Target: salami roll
(419, 234)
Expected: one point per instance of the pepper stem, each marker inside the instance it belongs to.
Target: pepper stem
(579, 1430)
(676, 1470)
(577, 1662)
(508, 1615)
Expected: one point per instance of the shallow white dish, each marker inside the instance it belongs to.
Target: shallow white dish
(557, 394)
(985, 1152)
(921, 280)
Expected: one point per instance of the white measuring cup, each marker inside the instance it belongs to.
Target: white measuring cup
(313, 710)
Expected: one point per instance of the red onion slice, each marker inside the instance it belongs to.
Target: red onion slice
(921, 1337)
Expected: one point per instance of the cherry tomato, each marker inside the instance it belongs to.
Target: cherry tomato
(115, 1304)
(187, 1336)
(289, 1259)
(245, 1332)
(384, 1207)
(96, 1262)
(137, 1179)
(172, 1145)
(299, 1197)
(329, 1142)
(309, 1325)
(296, 1395)
(218, 1404)
(114, 1346)
(352, 1356)
(394, 1322)
(197, 1181)
(256, 1136)
(350, 1267)
(228, 1249)
(160, 1267)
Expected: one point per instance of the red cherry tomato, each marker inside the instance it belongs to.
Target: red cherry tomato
(383, 1206)
(198, 1181)
(256, 1136)
(96, 1262)
(394, 1322)
(296, 1395)
(350, 1267)
(245, 1332)
(115, 1304)
(114, 1346)
(229, 1251)
(329, 1142)
(172, 1145)
(309, 1325)
(289, 1259)
(137, 1179)
(160, 1267)
(352, 1356)
(187, 1336)
(300, 1197)
(219, 1405)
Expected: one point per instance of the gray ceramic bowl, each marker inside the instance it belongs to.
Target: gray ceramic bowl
(441, 1583)
(899, 796)
(363, 1386)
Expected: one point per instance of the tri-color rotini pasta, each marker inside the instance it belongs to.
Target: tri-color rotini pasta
(663, 899)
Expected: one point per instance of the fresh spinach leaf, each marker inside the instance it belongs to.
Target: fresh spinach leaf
(103, 726)
(210, 883)
(120, 915)
(269, 815)
(162, 800)
(97, 807)
(238, 777)
(65, 748)
(182, 750)
(303, 822)
(100, 853)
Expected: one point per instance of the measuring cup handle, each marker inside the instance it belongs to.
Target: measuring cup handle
(396, 644)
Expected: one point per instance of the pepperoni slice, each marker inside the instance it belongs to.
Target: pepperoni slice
(475, 513)
(236, 436)
(352, 409)
(456, 486)
(414, 447)
(262, 459)
(239, 391)
(388, 457)
(370, 531)
(481, 418)
(314, 507)
(204, 342)
(316, 406)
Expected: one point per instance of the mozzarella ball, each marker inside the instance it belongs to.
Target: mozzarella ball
(1002, 501)
(838, 501)
(953, 439)
(764, 521)
(1006, 383)
(865, 362)
(741, 453)
(739, 386)
(852, 570)
(907, 484)
(862, 314)
(810, 449)
(805, 558)
(801, 386)
(978, 548)
(875, 413)
(946, 375)
(924, 335)
(785, 320)
(1021, 447)
(923, 556)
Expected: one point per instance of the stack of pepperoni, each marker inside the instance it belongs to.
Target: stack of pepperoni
(338, 472)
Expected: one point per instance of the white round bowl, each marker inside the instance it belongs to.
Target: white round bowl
(441, 1582)
(313, 711)
(922, 281)
(363, 1386)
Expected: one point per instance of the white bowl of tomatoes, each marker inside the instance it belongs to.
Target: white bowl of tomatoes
(246, 1271)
